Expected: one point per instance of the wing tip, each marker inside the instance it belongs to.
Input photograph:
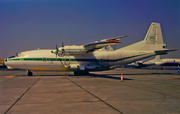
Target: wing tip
(175, 49)
(113, 41)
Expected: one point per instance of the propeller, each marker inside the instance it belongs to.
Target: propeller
(57, 49)
(63, 51)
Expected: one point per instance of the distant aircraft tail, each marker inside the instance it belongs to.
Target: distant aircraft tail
(153, 40)
(156, 59)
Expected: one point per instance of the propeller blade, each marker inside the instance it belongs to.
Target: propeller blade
(62, 46)
(57, 49)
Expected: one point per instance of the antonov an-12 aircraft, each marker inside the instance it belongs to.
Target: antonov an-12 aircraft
(90, 57)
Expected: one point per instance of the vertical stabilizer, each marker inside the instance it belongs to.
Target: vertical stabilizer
(152, 41)
(154, 34)
(156, 59)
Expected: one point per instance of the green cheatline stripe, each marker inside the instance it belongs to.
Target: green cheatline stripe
(14, 59)
(70, 59)
(33, 59)
(75, 49)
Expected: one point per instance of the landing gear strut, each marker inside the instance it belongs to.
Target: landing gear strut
(161, 68)
(29, 73)
(83, 72)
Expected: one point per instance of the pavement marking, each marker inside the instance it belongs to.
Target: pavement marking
(95, 96)
(38, 76)
(174, 79)
(21, 96)
(10, 76)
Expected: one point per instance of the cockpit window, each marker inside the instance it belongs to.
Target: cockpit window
(12, 56)
(17, 55)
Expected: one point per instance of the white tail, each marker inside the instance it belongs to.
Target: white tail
(153, 40)
(154, 34)
(156, 59)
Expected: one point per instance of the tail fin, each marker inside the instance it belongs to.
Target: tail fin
(156, 59)
(154, 34)
(153, 40)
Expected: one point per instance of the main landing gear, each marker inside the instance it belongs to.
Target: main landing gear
(29, 73)
(82, 72)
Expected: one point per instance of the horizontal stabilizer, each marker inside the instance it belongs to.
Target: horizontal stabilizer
(162, 52)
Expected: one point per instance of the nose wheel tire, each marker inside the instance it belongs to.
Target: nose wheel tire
(29, 73)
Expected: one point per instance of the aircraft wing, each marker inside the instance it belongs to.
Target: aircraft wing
(103, 43)
(146, 64)
(82, 49)
(115, 38)
(162, 52)
(98, 45)
(140, 64)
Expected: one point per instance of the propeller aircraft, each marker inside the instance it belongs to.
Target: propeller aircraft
(98, 56)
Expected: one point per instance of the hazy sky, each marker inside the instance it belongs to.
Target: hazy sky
(32, 24)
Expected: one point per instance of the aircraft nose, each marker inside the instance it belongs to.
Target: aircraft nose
(4, 61)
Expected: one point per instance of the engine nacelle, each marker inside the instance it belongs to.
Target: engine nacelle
(70, 50)
(74, 50)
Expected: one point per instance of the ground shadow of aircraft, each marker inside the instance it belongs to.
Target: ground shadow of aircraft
(108, 76)
(143, 74)
(90, 75)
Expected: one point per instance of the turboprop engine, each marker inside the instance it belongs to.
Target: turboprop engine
(70, 50)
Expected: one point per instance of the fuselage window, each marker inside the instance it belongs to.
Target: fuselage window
(44, 59)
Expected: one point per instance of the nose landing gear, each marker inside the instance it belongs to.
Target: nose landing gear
(29, 73)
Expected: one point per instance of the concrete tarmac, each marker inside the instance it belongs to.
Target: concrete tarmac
(143, 91)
